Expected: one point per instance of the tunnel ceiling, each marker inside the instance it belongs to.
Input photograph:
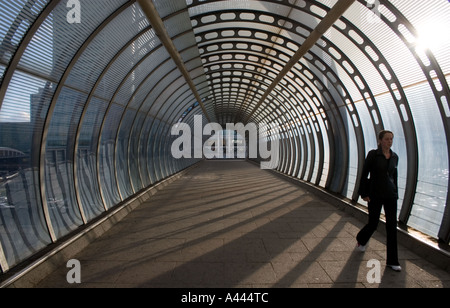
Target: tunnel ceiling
(90, 90)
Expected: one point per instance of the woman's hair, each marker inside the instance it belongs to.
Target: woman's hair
(383, 133)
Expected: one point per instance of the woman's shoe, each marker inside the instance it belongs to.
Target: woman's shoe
(396, 268)
(361, 247)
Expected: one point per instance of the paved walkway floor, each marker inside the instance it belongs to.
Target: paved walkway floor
(230, 224)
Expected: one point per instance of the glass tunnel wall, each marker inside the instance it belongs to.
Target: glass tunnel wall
(89, 95)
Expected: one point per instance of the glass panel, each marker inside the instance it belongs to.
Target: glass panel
(162, 149)
(61, 199)
(105, 46)
(431, 193)
(166, 8)
(87, 159)
(145, 157)
(108, 178)
(178, 24)
(16, 17)
(155, 85)
(153, 163)
(134, 157)
(160, 95)
(122, 157)
(138, 76)
(57, 41)
(23, 229)
(431, 23)
(124, 64)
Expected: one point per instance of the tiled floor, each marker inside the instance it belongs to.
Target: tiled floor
(230, 224)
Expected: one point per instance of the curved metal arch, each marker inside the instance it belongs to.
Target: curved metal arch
(141, 61)
(310, 114)
(8, 47)
(314, 127)
(290, 136)
(275, 58)
(290, 115)
(308, 122)
(300, 124)
(223, 103)
(353, 115)
(334, 13)
(283, 138)
(285, 149)
(229, 95)
(271, 118)
(124, 184)
(298, 109)
(260, 65)
(408, 125)
(308, 126)
(133, 147)
(7, 77)
(141, 84)
(238, 12)
(303, 116)
(353, 75)
(130, 99)
(254, 79)
(236, 62)
(144, 134)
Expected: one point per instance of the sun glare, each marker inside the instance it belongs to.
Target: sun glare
(433, 35)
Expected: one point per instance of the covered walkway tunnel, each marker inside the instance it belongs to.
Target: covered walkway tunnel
(95, 95)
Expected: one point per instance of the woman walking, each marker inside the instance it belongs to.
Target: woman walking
(381, 190)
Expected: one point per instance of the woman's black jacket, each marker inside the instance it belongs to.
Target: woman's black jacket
(383, 176)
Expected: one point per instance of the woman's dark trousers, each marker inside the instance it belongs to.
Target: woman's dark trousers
(390, 210)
